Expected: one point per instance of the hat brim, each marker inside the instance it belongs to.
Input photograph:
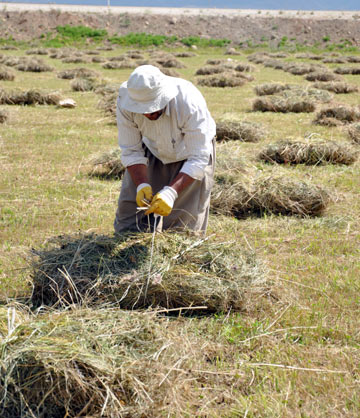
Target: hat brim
(167, 93)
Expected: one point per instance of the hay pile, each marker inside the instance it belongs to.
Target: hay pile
(108, 104)
(258, 57)
(115, 65)
(224, 79)
(354, 132)
(98, 59)
(322, 76)
(268, 89)
(302, 69)
(37, 51)
(338, 87)
(30, 97)
(242, 67)
(337, 115)
(6, 74)
(75, 60)
(107, 165)
(353, 58)
(281, 104)
(185, 54)
(211, 69)
(279, 195)
(183, 271)
(239, 131)
(297, 152)
(4, 115)
(347, 70)
(35, 65)
(82, 84)
(77, 73)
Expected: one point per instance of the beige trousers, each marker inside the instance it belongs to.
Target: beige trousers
(191, 208)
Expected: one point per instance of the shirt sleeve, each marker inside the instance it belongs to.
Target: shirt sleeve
(199, 130)
(129, 139)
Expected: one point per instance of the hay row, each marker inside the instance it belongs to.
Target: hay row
(30, 97)
(337, 115)
(239, 131)
(297, 152)
(279, 195)
(183, 271)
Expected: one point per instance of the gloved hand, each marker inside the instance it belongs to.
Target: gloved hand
(163, 202)
(144, 194)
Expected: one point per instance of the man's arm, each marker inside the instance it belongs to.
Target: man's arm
(138, 173)
(181, 182)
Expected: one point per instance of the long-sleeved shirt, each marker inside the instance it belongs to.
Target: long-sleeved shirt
(184, 131)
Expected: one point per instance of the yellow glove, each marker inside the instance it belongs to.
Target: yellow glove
(144, 195)
(163, 202)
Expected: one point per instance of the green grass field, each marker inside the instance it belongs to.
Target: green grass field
(294, 351)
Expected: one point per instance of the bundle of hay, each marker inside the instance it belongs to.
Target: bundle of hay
(211, 69)
(92, 52)
(301, 69)
(167, 62)
(242, 67)
(170, 72)
(6, 74)
(232, 51)
(107, 165)
(9, 48)
(82, 84)
(291, 152)
(182, 270)
(30, 97)
(347, 70)
(317, 95)
(338, 87)
(353, 58)
(135, 55)
(258, 57)
(4, 115)
(98, 59)
(118, 65)
(77, 73)
(322, 76)
(354, 132)
(239, 131)
(284, 104)
(276, 64)
(278, 55)
(34, 65)
(225, 79)
(268, 89)
(108, 105)
(185, 54)
(119, 58)
(106, 89)
(75, 60)
(12, 61)
(279, 195)
(337, 115)
(37, 51)
(64, 53)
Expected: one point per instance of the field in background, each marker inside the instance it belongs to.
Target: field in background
(293, 352)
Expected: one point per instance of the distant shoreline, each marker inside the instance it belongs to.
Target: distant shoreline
(297, 14)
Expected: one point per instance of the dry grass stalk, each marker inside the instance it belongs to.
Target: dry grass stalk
(35, 65)
(267, 89)
(4, 115)
(30, 97)
(6, 74)
(82, 84)
(322, 76)
(347, 70)
(183, 271)
(338, 87)
(337, 115)
(279, 195)
(226, 79)
(290, 152)
(239, 131)
(77, 73)
(354, 132)
(107, 165)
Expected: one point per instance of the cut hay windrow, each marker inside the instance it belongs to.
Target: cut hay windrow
(239, 131)
(279, 195)
(347, 70)
(337, 87)
(6, 74)
(107, 165)
(106, 89)
(35, 65)
(82, 84)
(30, 97)
(337, 115)
(319, 152)
(92, 52)
(322, 76)
(12, 61)
(225, 79)
(354, 132)
(268, 89)
(232, 51)
(111, 363)
(77, 73)
(284, 104)
(4, 115)
(181, 271)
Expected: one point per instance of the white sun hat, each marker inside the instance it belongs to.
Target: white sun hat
(147, 90)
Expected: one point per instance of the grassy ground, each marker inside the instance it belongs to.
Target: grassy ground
(294, 352)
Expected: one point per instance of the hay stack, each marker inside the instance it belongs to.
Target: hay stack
(77, 73)
(35, 65)
(183, 271)
(242, 67)
(107, 165)
(211, 69)
(98, 59)
(322, 76)
(289, 152)
(268, 89)
(108, 105)
(30, 97)
(337, 115)
(6, 74)
(354, 132)
(279, 195)
(12, 61)
(258, 57)
(75, 60)
(353, 58)
(4, 115)
(347, 70)
(115, 65)
(283, 104)
(82, 84)
(317, 95)
(37, 51)
(338, 87)
(239, 131)
(225, 79)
